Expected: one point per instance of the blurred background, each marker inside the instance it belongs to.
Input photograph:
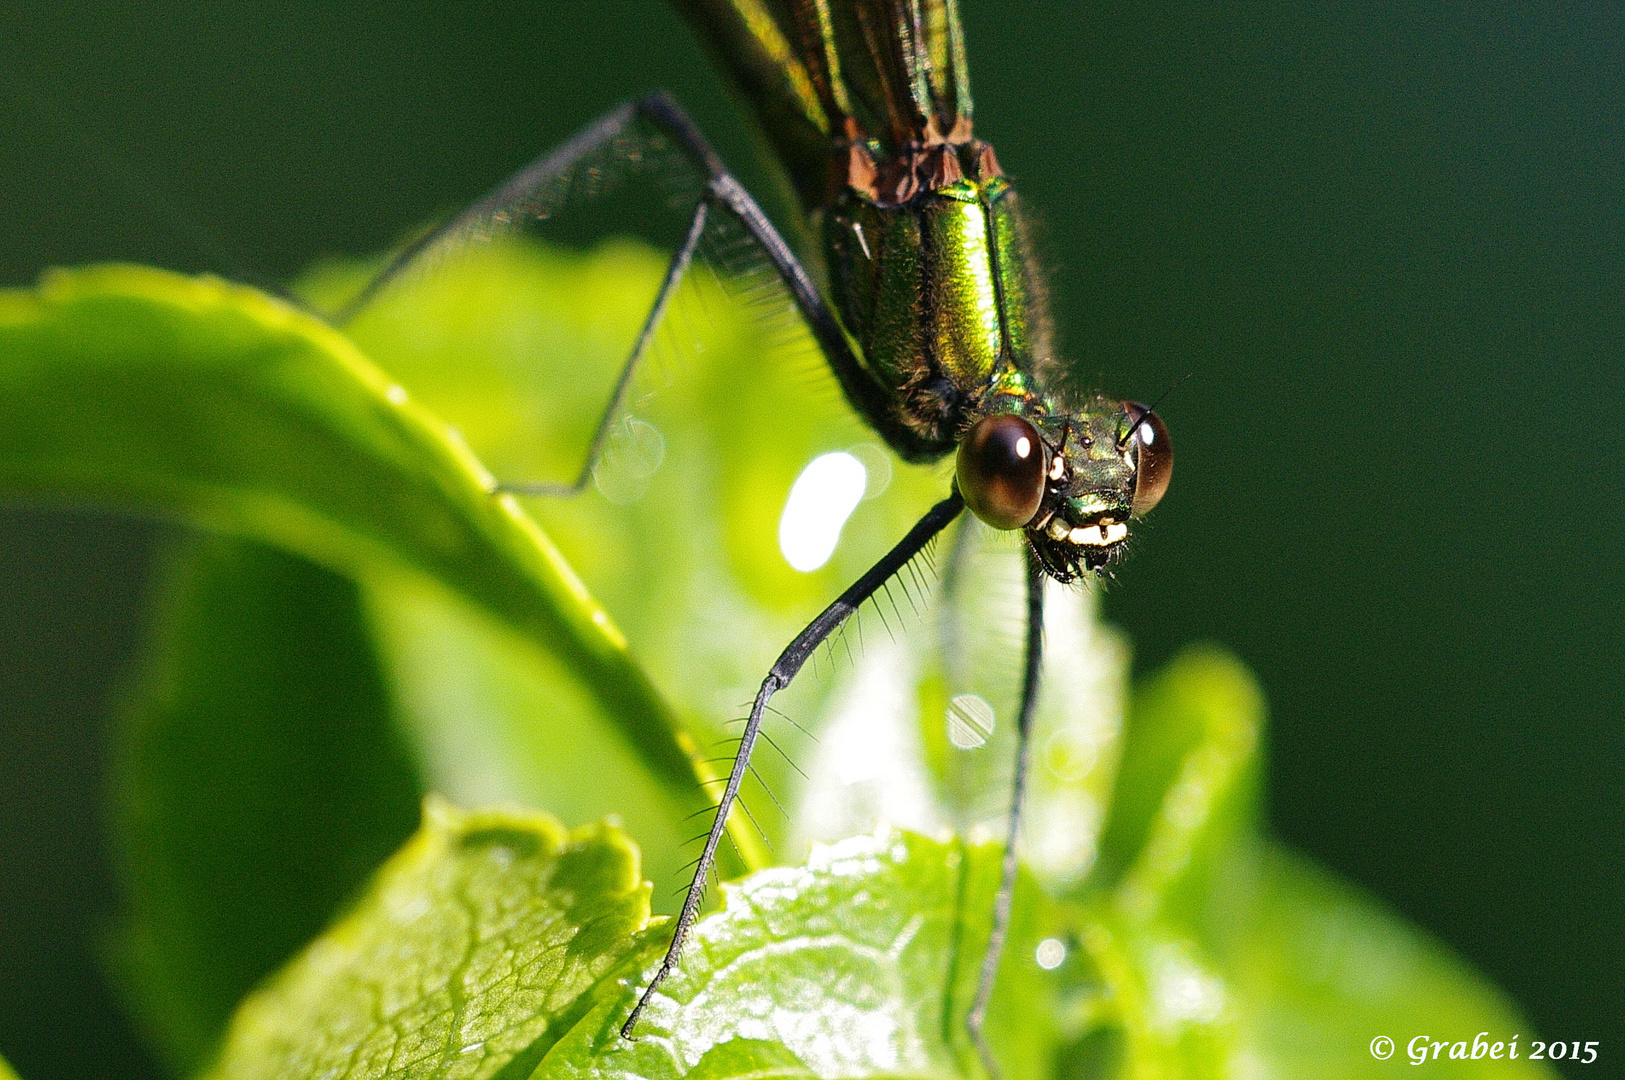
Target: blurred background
(1388, 240)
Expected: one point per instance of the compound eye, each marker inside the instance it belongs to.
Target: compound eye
(1153, 457)
(1001, 471)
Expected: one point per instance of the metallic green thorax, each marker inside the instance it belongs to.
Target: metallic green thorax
(937, 294)
(867, 105)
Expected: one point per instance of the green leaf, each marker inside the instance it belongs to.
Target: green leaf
(750, 1059)
(517, 345)
(1186, 785)
(221, 405)
(466, 958)
(260, 782)
(498, 720)
(262, 777)
(473, 953)
(1190, 949)
(1213, 952)
(6, 1071)
(1318, 971)
(861, 963)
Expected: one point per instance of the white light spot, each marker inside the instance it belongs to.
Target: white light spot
(821, 499)
(1024, 447)
(1148, 434)
(862, 241)
(396, 393)
(1051, 952)
(970, 721)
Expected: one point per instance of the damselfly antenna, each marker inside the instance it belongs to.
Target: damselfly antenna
(1147, 410)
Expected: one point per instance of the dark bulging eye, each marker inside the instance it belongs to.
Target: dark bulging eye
(1001, 471)
(1153, 457)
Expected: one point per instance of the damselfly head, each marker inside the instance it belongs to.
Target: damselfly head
(1072, 481)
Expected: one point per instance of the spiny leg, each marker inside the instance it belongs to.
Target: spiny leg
(1031, 668)
(536, 191)
(784, 670)
(867, 396)
(675, 270)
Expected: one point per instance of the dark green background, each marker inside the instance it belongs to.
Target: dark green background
(1388, 239)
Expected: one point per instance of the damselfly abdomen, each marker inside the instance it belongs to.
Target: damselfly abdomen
(930, 310)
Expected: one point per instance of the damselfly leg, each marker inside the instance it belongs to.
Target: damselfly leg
(679, 265)
(1032, 666)
(784, 670)
(638, 133)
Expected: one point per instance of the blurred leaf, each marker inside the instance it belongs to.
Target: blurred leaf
(1186, 784)
(6, 1072)
(1319, 971)
(219, 404)
(261, 781)
(467, 957)
(497, 720)
(1212, 952)
(1187, 950)
(517, 343)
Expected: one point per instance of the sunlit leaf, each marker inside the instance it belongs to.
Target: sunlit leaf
(213, 402)
(497, 720)
(1186, 786)
(861, 963)
(1211, 951)
(466, 958)
(1173, 941)
(475, 952)
(517, 346)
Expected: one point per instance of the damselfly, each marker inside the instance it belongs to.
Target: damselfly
(930, 311)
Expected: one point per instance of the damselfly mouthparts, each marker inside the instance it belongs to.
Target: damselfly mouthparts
(930, 311)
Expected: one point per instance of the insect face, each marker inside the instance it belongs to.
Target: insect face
(1103, 467)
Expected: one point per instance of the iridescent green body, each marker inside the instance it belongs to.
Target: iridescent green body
(933, 307)
(931, 314)
(867, 105)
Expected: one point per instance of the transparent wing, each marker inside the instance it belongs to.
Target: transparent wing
(514, 321)
(621, 149)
